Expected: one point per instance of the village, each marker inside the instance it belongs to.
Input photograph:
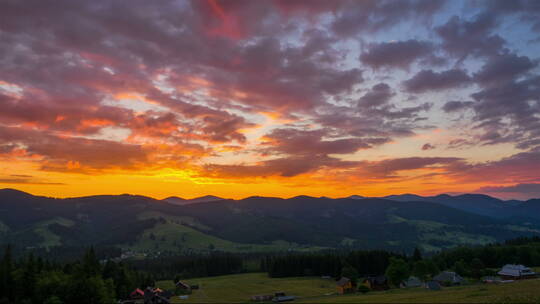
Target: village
(183, 291)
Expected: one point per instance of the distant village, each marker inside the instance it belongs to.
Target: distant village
(507, 274)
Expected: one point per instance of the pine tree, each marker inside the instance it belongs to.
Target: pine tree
(417, 255)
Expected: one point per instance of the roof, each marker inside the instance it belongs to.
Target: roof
(137, 292)
(413, 282)
(515, 270)
(182, 284)
(343, 281)
(448, 276)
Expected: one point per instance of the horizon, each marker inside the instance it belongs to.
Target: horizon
(246, 197)
(270, 98)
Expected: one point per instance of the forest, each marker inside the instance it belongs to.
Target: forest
(32, 278)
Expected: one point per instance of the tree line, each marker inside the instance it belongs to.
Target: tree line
(214, 264)
(368, 262)
(471, 262)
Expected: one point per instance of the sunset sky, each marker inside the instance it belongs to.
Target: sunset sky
(270, 98)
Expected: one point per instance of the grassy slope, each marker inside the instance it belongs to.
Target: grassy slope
(178, 233)
(49, 238)
(239, 288)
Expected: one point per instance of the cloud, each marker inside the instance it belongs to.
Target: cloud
(462, 38)
(390, 167)
(378, 95)
(300, 142)
(400, 54)
(427, 80)
(516, 191)
(455, 106)
(518, 188)
(502, 68)
(373, 16)
(428, 146)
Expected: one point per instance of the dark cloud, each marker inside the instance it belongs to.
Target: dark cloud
(286, 167)
(427, 80)
(454, 106)
(503, 68)
(518, 188)
(390, 167)
(399, 54)
(428, 146)
(378, 95)
(518, 167)
(374, 15)
(299, 142)
(462, 38)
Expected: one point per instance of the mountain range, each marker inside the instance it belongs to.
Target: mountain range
(257, 224)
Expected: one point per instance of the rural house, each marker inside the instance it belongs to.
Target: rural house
(344, 285)
(516, 272)
(182, 285)
(448, 278)
(376, 282)
(136, 294)
(411, 282)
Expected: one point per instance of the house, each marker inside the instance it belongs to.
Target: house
(433, 285)
(136, 294)
(376, 282)
(344, 285)
(448, 278)
(182, 285)
(411, 282)
(516, 272)
(156, 296)
(262, 298)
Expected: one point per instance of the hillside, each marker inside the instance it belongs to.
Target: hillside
(144, 224)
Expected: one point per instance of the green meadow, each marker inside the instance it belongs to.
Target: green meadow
(239, 288)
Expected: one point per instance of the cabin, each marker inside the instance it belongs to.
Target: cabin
(411, 282)
(516, 272)
(448, 278)
(376, 282)
(344, 285)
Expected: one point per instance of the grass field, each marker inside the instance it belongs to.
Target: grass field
(49, 238)
(239, 288)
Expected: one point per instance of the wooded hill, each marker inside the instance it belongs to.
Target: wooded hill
(262, 224)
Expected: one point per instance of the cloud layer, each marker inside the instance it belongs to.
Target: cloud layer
(342, 91)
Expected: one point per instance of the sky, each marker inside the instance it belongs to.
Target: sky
(270, 98)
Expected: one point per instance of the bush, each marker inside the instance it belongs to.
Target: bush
(363, 289)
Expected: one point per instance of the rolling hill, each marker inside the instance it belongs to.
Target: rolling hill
(144, 224)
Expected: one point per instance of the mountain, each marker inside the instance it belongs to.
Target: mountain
(144, 224)
(479, 204)
(182, 202)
